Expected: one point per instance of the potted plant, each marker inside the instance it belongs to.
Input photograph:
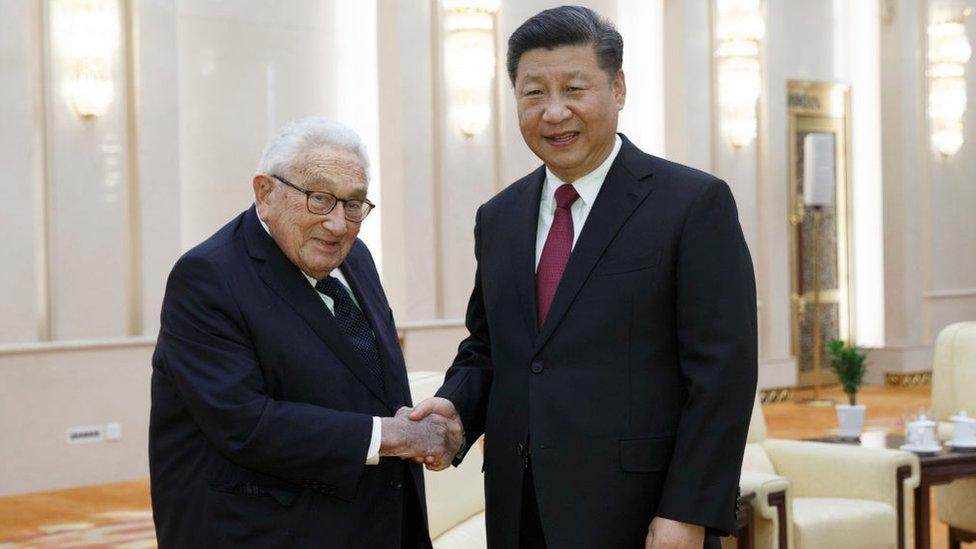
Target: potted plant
(849, 363)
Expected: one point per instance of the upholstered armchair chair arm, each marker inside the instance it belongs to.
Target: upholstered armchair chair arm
(820, 469)
(771, 507)
(764, 485)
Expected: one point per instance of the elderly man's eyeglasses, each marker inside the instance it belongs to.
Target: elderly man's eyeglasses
(322, 203)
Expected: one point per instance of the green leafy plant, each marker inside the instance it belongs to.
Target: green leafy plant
(849, 363)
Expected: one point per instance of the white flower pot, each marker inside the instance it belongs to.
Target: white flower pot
(850, 420)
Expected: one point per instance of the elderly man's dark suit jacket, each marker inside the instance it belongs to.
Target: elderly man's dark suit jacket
(261, 410)
(635, 396)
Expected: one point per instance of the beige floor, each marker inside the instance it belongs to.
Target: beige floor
(23, 515)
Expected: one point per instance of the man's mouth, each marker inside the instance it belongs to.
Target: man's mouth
(562, 139)
(328, 244)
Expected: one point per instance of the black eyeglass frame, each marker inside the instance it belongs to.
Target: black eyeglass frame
(308, 197)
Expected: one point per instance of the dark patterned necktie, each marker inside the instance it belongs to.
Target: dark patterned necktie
(353, 323)
(555, 253)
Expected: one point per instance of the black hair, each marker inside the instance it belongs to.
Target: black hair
(567, 26)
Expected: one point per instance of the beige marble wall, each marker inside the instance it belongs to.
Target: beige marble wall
(44, 390)
(156, 144)
(21, 279)
(930, 254)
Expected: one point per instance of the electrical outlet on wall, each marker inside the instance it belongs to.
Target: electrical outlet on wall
(84, 434)
(113, 431)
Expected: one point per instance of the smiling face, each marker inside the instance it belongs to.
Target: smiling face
(317, 244)
(568, 108)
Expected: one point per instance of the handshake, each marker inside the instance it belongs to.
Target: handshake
(431, 433)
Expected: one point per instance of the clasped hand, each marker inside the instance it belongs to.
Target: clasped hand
(430, 433)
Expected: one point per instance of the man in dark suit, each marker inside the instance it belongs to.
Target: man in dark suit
(611, 361)
(277, 371)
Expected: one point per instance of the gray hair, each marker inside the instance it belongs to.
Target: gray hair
(568, 26)
(300, 135)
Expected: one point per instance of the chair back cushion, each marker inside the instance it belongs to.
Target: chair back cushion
(954, 371)
(756, 459)
(757, 424)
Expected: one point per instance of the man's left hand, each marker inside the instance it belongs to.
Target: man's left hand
(670, 534)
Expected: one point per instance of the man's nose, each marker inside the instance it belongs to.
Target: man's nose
(556, 111)
(335, 221)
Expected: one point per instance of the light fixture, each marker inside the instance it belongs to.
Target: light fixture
(740, 30)
(949, 51)
(469, 51)
(87, 38)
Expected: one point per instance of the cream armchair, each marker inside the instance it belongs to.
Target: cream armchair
(953, 389)
(455, 496)
(813, 495)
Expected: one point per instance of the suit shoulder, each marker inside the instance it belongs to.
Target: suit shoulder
(359, 248)
(686, 176)
(686, 185)
(514, 191)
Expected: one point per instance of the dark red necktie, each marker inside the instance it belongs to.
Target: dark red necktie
(555, 253)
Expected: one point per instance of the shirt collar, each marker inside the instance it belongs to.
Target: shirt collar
(587, 186)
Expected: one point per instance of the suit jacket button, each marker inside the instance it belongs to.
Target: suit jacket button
(396, 485)
(537, 367)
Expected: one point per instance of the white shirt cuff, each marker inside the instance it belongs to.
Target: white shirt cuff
(373, 453)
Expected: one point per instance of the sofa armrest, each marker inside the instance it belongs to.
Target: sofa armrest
(822, 469)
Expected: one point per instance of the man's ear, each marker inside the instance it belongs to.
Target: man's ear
(264, 188)
(620, 89)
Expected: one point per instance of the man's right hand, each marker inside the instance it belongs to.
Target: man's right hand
(444, 408)
(430, 438)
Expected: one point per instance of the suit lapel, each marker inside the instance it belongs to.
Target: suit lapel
(370, 300)
(623, 190)
(522, 235)
(282, 276)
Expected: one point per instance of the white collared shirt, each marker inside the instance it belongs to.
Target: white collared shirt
(373, 452)
(588, 187)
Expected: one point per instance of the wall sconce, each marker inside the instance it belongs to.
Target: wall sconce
(470, 61)
(87, 36)
(740, 29)
(949, 51)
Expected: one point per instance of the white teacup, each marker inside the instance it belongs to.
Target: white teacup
(963, 428)
(921, 433)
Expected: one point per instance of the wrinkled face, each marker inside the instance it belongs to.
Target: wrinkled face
(317, 244)
(567, 108)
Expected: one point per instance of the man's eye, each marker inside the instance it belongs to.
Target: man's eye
(319, 198)
(353, 205)
(533, 92)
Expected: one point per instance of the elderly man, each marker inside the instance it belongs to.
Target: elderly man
(277, 371)
(611, 361)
